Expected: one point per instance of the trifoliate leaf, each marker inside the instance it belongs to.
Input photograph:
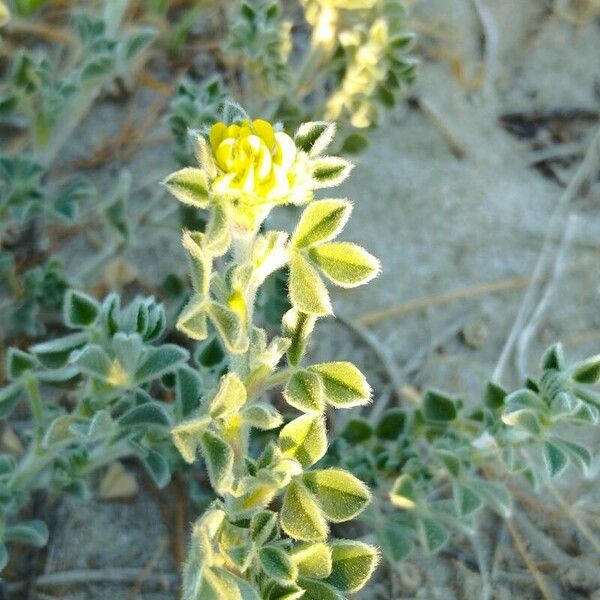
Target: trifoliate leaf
(297, 326)
(395, 540)
(353, 565)
(345, 385)
(230, 396)
(312, 560)
(314, 137)
(189, 186)
(308, 293)
(580, 454)
(262, 416)
(320, 222)
(218, 456)
(80, 310)
(276, 564)
(305, 391)
(467, 500)
(186, 436)
(304, 439)
(329, 171)
(93, 361)
(345, 264)
(300, 515)
(55, 353)
(391, 425)
(340, 495)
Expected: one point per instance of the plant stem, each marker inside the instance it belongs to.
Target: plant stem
(37, 409)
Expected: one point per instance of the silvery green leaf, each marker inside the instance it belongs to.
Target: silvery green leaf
(297, 326)
(80, 310)
(277, 565)
(433, 534)
(345, 264)
(587, 371)
(158, 361)
(305, 391)
(345, 386)
(308, 293)
(438, 407)
(186, 436)
(229, 325)
(218, 456)
(261, 415)
(304, 439)
(318, 590)
(329, 171)
(128, 349)
(230, 397)
(55, 353)
(19, 363)
(151, 413)
(193, 320)
(157, 467)
(301, 516)
(188, 390)
(32, 533)
(312, 559)
(555, 458)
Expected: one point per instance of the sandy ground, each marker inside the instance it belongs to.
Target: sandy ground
(440, 222)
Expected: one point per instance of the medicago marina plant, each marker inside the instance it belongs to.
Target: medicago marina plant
(267, 533)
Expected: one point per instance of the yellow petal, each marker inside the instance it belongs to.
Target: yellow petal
(247, 183)
(217, 135)
(281, 186)
(223, 183)
(285, 151)
(224, 154)
(264, 130)
(263, 163)
(233, 131)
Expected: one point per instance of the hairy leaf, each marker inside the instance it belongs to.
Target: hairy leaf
(305, 391)
(301, 516)
(345, 385)
(304, 439)
(345, 264)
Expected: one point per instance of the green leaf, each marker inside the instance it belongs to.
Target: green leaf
(4, 557)
(204, 154)
(433, 534)
(305, 391)
(80, 310)
(18, 363)
(355, 143)
(438, 407)
(230, 396)
(210, 354)
(54, 354)
(553, 358)
(189, 186)
(345, 385)
(304, 439)
(218, 232)
(494, 396)
(276, 564)
(320, 222)
(192, 320)
(188, 390)
(157, 467)
(230, 328)
(9, 396)
(297, 326)
(289, 591)
(186, 436)
(318, 590)
(404, 493)
(555, 458)
(576, 452)
(263, 526)
(92, 360)
(467, 500)
(301, 516)
(353, 565)
(329, 171)
(523, 419)
(158, 361)
(357, 430)
(314, 137)
(312, 559)
(587, 371)
(151, 413)
(32, 533)
(340, 495)
(391, 425)
(262, 416)
(201, 262)
(496, 496)
(218, 456)
(395, 541)
(345, 264)
(307, 291)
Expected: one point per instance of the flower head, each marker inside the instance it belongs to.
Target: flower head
(254, 162)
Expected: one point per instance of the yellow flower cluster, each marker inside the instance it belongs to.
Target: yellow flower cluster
(255, 163)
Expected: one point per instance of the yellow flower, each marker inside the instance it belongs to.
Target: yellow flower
(254, 162)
